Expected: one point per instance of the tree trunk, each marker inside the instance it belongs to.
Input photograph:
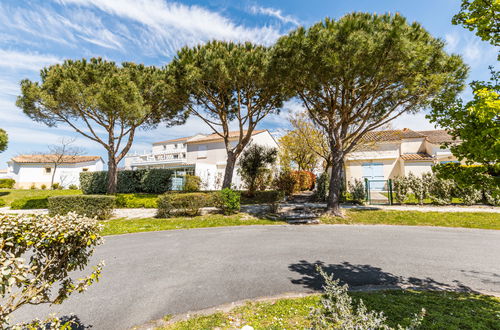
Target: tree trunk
(335, 189)
(53, 176)
(112, 174)
(228, 174)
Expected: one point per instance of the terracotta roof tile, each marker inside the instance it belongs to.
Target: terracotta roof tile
(51, 158)
(391, 135)
(438, 136)
(209, 137)
(417, 156)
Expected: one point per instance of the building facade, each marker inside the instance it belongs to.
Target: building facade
(37, 170)
(387, 154)
(203, 155)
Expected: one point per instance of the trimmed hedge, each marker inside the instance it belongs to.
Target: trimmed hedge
(153, 181)
(7, 183)
(184, 204)
(137, 201)
(88, 205)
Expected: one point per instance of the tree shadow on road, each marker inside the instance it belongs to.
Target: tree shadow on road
(366, 276)
(76, 323)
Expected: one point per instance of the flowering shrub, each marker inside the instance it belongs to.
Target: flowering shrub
(337, 310)
(419, 186)
(357, 191)
(468, 194)
(401, 189)
(38, 254)
(441, 190)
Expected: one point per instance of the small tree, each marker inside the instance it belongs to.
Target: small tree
(358, 73)
(228, 83)
(62, 153)
(38, 255)
(294, 150)
(4, 140)
(253, 163)
(95, 96)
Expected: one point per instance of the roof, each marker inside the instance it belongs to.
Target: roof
(209, 137)
(417, 156)
(51, 158)
(391, 135)
(437, 136)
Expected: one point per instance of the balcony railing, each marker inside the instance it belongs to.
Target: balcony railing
(158, 158)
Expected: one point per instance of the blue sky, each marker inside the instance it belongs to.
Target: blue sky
(34, 34)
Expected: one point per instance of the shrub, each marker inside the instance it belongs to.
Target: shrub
(183, 204)
(264, 179)
(286, 182)
(38, 259)
(136, 201)
(28, 203)
(7, 183)
(192, 183)
(253, 164)
(228, 201)
(419, 186)
(322, 186)
(304, 180)
(55, 186)
(33, 187)
(401, 189)
(262, 197)
(156, 181)
(492, 197)
(357, 191)
(337, 311)
(2, 203)
(468, 194)
(138, 181)
(86, 205)
(73, 187)
(43, 187)
(440, 191)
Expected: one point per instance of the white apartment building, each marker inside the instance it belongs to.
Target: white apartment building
(203, 155)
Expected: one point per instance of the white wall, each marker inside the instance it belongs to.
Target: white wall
(412, 146)
(27, 175)
(417, 168)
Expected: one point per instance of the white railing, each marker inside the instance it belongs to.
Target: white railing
(163, 157)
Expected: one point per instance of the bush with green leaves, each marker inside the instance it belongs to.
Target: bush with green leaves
(171, 204)
(56, 186)
(322, 185)
(136, 201)
(99, 206)
(468, 194)
(192, 183)
(39, 255)
(357, 191)
(2, 203)
(154, 181)
(73, 187)
(441, 191)
(401, 189)
(286, 181)
(337, 310)
(7, 183)
(253, 165)
(43, 187)
(228, 201)
(28, 203)
(419, 186)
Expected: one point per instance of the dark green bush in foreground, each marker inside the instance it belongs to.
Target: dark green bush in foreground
(7, 183)
(183, 204)
(89, 205)
(228, 201)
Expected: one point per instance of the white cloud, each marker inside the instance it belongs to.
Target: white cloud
(178, 24)
(276, 13)
(452, 40)
(26, 61)
(472, 51)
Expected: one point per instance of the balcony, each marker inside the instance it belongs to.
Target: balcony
(168, 157)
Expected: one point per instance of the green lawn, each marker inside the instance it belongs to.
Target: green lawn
(411, 199)
(444, 310)
(125, 226)
(480, 220)
(10, 195)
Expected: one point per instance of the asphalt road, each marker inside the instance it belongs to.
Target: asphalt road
(149, 275)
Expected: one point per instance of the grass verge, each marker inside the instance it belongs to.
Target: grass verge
(444, 310)
(480, 220)
(126, 226)
(10, 195)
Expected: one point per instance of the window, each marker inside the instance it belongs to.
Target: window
(164, 147)
(176, 156)
(85, 169)
(48, 170)
(202, 151)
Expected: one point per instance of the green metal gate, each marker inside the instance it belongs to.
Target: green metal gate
(375, 195)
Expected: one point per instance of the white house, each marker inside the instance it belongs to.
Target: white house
(388, 154)
(203, 155)
(37, 170)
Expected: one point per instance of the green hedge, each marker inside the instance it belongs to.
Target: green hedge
(28, 203)
(153, 181)
(7, 183)
(262, 197)
(184, 204)
(99, 206)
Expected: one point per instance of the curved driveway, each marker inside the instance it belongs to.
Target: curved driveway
(149, 275)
